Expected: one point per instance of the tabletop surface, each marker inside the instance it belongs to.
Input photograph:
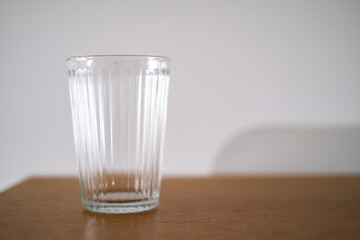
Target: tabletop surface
(192, 208)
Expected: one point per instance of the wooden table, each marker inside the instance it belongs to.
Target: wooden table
(192, 208)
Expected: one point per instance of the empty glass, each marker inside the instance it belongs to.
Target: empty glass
(119, 105)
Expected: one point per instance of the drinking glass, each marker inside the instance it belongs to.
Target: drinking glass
(119, 105)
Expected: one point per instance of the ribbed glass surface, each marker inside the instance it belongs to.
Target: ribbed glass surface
(119, 108)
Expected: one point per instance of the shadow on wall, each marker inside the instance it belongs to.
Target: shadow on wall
(291, 150)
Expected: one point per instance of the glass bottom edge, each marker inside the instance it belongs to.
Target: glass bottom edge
(120, 208)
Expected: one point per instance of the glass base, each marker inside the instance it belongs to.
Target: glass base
(120, 208)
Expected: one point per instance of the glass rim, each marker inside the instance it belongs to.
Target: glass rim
(85, 57)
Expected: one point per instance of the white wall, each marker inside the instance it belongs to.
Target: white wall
(235, 65)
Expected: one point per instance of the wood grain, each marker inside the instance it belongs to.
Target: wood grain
(192, 208)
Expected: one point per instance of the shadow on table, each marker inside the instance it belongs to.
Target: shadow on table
(287, 150)
(105, 226)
